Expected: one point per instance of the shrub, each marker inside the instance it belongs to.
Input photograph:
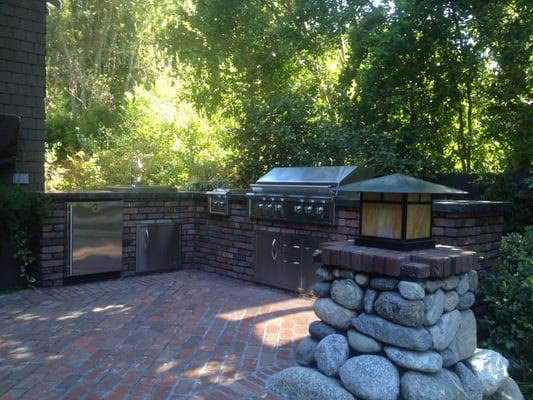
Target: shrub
(21, 213)
(509, 294)
(516, 189)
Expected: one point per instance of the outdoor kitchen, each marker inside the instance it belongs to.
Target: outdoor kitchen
(266, 234)
(265, 200)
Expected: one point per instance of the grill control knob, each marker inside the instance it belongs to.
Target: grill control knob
(278, 207)
(320, 210)
(298, 209)
(269, 207)
(309, 209)
(261, 206)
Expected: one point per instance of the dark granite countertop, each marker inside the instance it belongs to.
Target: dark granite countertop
(108, 195)
(459, 206)
(462, 206)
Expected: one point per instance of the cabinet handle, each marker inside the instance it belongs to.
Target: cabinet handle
(146, 238)
(70, 237)
(274, 251)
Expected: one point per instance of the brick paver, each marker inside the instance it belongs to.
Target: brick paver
(180, 335)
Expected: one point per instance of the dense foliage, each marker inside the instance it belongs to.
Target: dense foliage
(508, 292)
(21, 213)
(517, 192)
(211, 90)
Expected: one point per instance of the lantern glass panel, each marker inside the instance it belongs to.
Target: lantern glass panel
(396, 197)
(382, 220)
(418, 221)
(413, 198)
(371, 196)
(425, 197)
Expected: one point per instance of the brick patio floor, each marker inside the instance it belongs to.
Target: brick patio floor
(180, 335)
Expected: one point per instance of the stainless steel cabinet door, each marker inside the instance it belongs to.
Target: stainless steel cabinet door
(95, 237)
(285, 260)
(270, 267)
(158, 247)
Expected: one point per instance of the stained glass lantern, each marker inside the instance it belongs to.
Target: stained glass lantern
(396, 211)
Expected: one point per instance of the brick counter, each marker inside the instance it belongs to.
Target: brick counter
(225, 244)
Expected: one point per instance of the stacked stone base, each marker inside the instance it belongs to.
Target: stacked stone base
(389, 338)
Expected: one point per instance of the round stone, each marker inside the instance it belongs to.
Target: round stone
(362, 279)
(411, 290)
(450, 282)
(323, 273)
(470, 382)
(451, 300)
(434, 307)
(441, 385)
(321, 289)
(473, 280)
(363, 343)
(509, 390)
(463, 285)
(423, 361)
(347, 293)
(433, 285)
(333, 314)
(319, 330)
(465, 342)
(444, 331)
(368, 301)
(384, 283)
(331, 353)
(371, 377)
(466, 334)
(343, 273)
(305, 352)
(393, 334)
(392, 306)
(301, 383)
(490, 368)
(466, 301)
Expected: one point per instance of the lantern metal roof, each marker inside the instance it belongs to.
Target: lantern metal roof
(398, 183)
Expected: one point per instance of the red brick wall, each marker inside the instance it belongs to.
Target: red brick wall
(474, 226)
(51, 247)
(225, 244)
(182, 211)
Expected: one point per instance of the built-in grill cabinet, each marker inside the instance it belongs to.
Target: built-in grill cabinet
(286, 260)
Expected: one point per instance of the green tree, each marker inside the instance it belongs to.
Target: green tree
(403, 85)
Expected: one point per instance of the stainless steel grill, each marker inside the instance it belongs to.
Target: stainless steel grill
(301, 194)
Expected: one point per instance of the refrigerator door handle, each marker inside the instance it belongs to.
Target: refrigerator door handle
(70, 237)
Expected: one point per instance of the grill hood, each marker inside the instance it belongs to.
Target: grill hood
(309, 180)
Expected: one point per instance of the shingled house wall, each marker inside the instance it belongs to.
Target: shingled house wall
(22, 82)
